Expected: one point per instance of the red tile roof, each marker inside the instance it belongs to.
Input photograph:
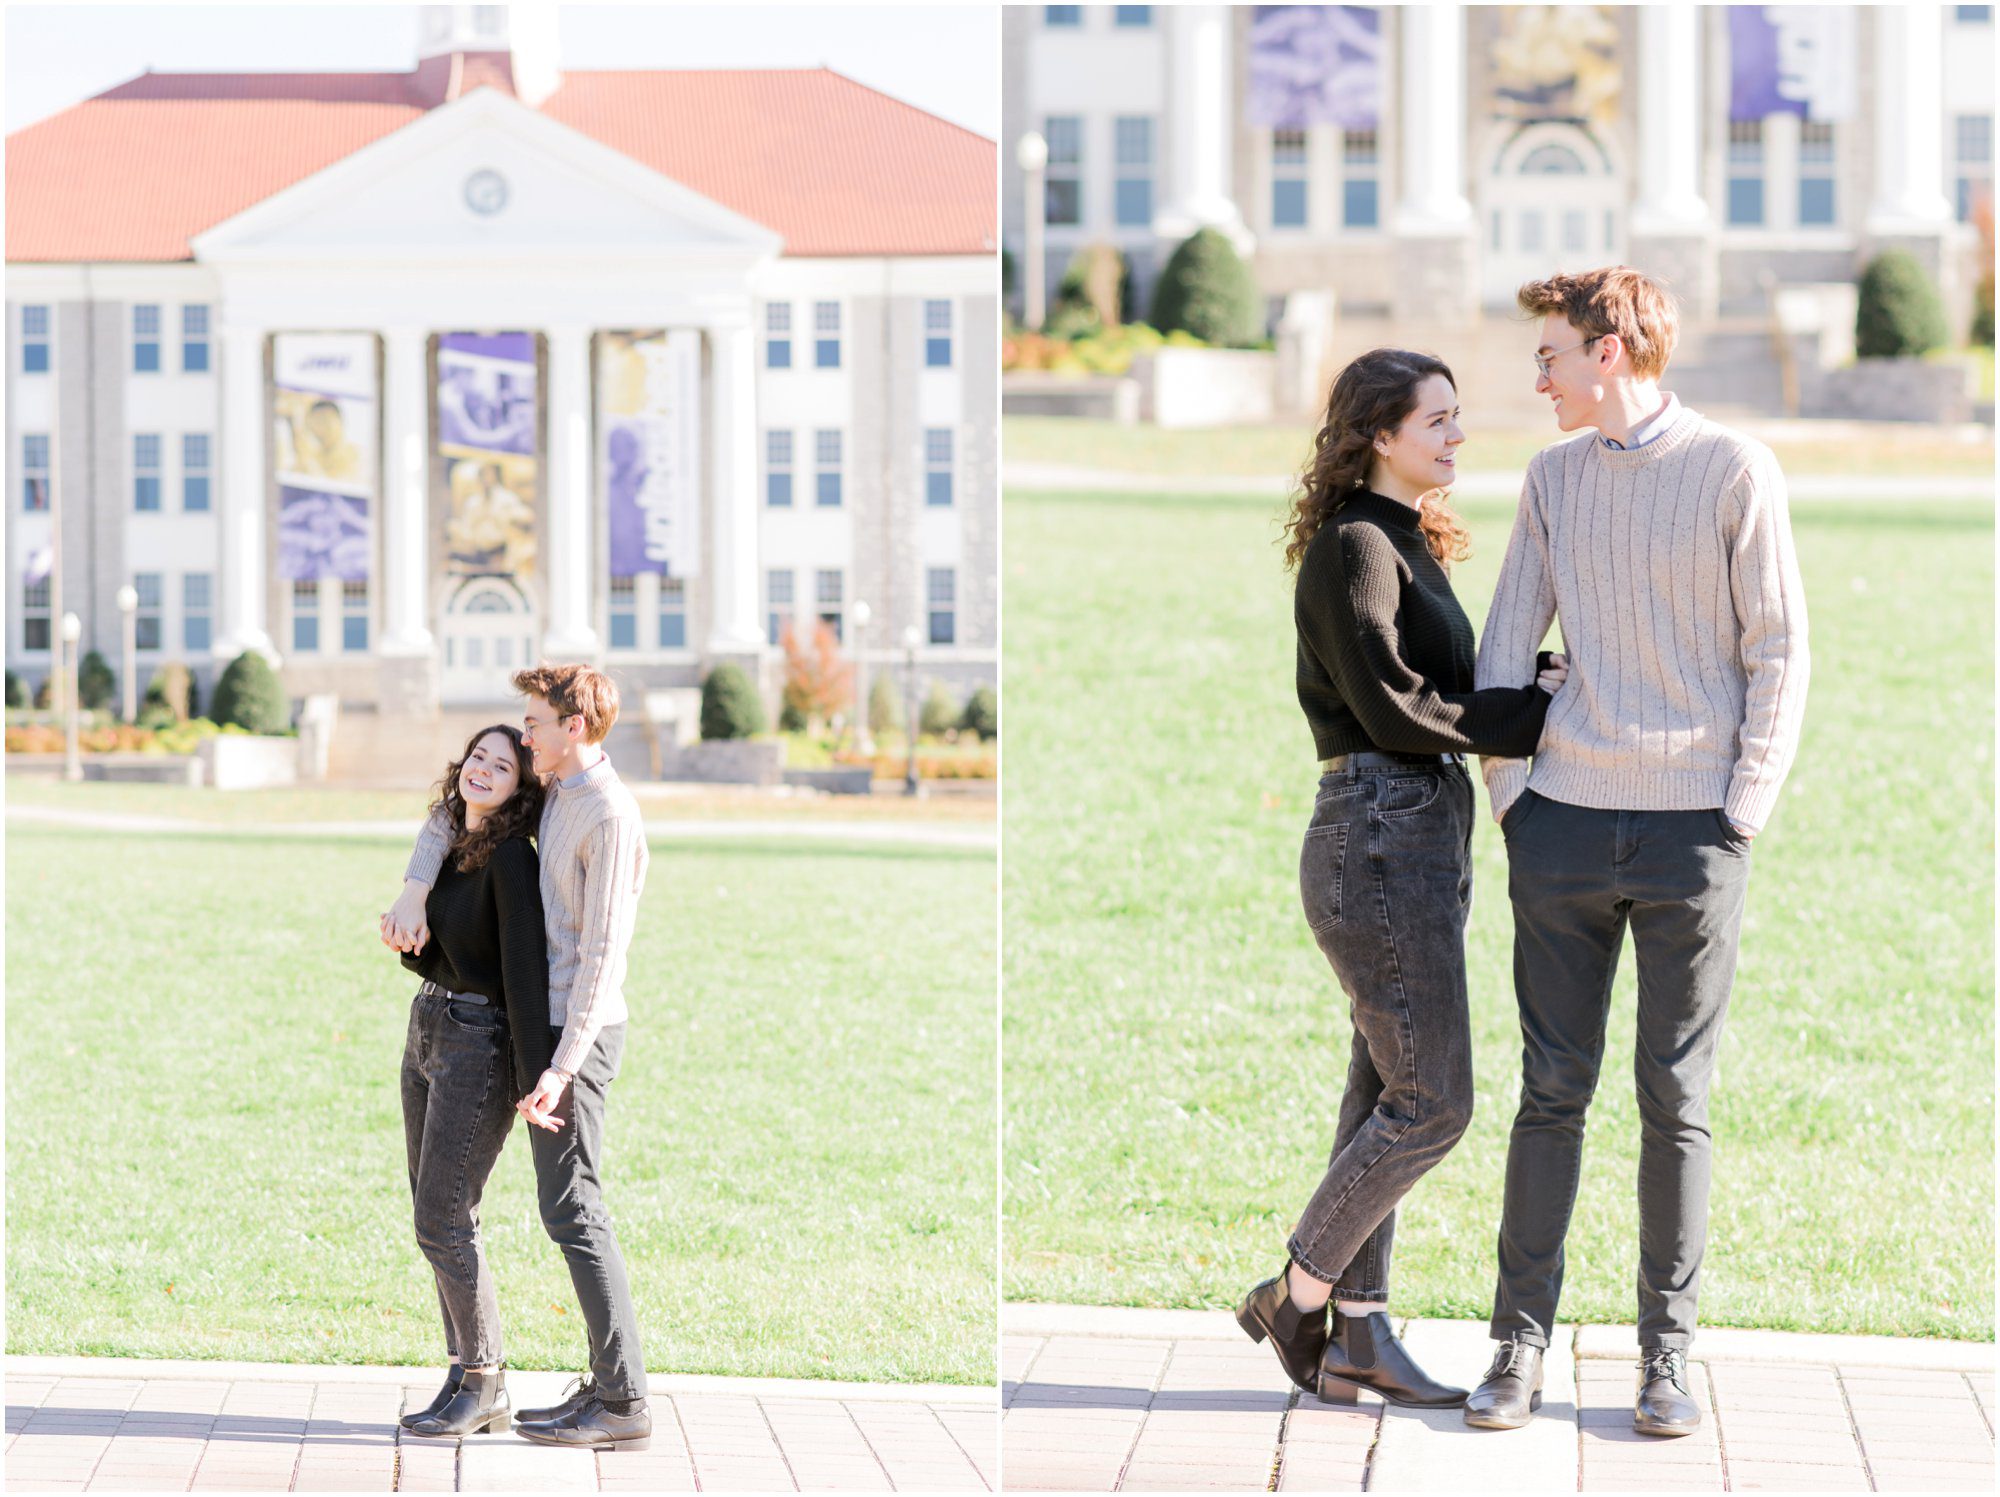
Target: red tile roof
(832, 165)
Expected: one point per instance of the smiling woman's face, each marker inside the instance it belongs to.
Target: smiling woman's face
(490, 773)
(1422, 453)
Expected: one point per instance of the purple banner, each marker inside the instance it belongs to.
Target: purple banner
(486, 392)
(1791, 59)
(486, 432)
(649, 403)
(1315, 65)
(321, 534)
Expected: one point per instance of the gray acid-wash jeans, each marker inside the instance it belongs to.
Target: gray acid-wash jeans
(458, 1103)
(1386, 879)
(1579, 877)
(573, 1214)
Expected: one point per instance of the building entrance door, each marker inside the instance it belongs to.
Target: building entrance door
(1550, 203)
(489, 633)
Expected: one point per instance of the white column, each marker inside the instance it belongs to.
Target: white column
(570, 634)
(241, 614)
(1669, 174)
(405, 495)
(1430, 184)
(1201, 54)
(1909, 121)
(733, 626)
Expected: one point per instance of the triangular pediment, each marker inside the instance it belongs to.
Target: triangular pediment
(486, 177)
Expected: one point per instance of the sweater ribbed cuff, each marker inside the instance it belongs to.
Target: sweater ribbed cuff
(1505, 780)
(577, 1037)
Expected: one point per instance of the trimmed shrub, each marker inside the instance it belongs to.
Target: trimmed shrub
(96, 683)
(885, 705)
(1982, 312)
(1206, 290)
(250, 696)
(45, 694)
(1898, 314)
(17, 691)
(790, 719)
(730, 706)
(940, 710)
(982, 714)
(171, 689)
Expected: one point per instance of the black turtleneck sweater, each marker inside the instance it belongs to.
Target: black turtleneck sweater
(487, 937)
(1386, 653)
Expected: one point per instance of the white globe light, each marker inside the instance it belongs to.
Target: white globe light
(1031, 152)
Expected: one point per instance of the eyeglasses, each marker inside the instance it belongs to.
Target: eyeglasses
(1542, 359)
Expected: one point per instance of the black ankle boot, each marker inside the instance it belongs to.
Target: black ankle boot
(1363, 1352)
(1297, 1336)
(478, 1407)
(451, 1381)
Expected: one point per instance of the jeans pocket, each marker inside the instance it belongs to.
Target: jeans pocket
(1321, 864)
(1523, 807)
(1730, 835)
(480, 1018)
(1408, 794)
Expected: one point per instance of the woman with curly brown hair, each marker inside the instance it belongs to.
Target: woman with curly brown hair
(479, 1039)
(1385, 662)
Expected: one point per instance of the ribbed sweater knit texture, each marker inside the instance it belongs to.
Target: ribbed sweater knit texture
(1672, 571)
(488, 937)
(1385, 655)
(593, 850)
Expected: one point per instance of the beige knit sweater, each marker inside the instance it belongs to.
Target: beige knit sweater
(593, 853)
(1671, 569)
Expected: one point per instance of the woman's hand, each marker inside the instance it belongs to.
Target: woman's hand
(1551, 680)
(538, 1107)
(405, 924)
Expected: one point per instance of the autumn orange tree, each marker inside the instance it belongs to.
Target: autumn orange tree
(819, 680)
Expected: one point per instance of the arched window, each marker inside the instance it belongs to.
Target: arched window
(1552, 161)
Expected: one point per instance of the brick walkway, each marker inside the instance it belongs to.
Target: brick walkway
(1173, 1400)
(77, 1424)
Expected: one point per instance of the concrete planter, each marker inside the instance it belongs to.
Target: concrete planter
(854, 780)
(1205, 386)
(232, 761)
(735, 761)
(1098, 397)
(144, 769)
(1889, 390)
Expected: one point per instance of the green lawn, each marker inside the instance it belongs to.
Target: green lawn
(1174, 1045)
(1255, 451)
(205, 1144)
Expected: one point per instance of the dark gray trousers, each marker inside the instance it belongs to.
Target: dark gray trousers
(1578, 878)
(1386, 879)
(458, 1103)
(573, 1214)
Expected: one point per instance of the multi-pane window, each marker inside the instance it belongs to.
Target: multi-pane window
(826, 463)
(941, 592)
(1062, 15)
(35, 614)
(194, 339)
(1361, 183)
(937, 466)
(1131, 15)
(673, 614)
(354, 615)
(937, 334)
(146, 338)
(826, 335)
(832, 589)
(778, 335)
(1063, 181)
(1132, 202)
(778, 602)
(305, 613)
(1746, 173)
(196, 591)
(1816, 197)
(34, 340)
(778, 469)
(34, 471)
(1974, 13)
(146, 471)
(1972, 151)
(146, 622)
(194, 471)
(624, 614)
(1288, 179)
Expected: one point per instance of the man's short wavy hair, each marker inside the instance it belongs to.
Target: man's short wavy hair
(1616, 299)
(573, 689)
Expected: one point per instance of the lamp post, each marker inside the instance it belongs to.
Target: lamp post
(910, 706)
(864, 740)
(128, 610)
(72, 632)
(1032, 153)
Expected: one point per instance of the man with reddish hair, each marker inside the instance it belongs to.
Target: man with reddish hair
(593, 866)
(1661, 542)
